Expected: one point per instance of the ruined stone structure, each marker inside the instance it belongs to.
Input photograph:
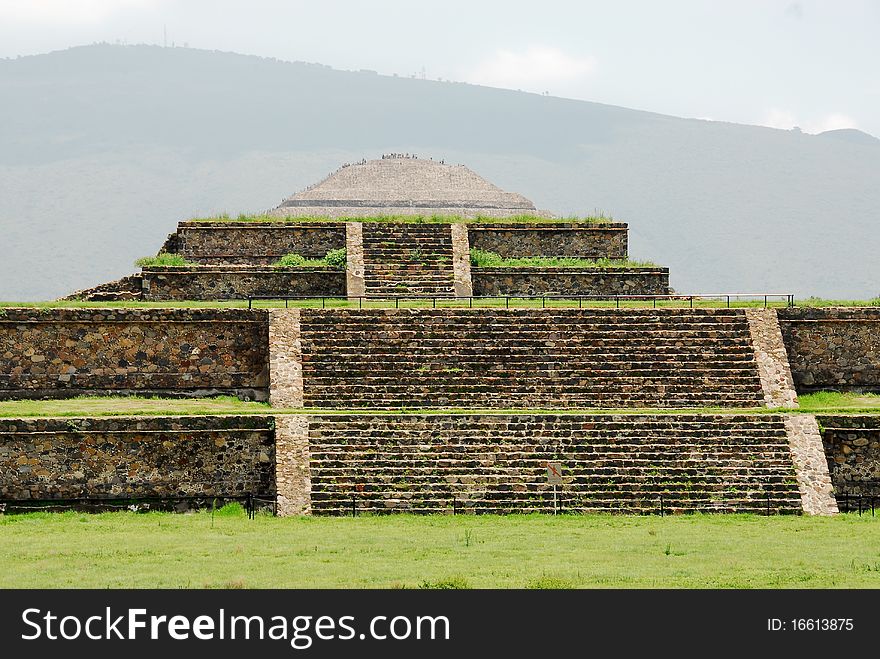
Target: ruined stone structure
(500, 392)
(392, 257)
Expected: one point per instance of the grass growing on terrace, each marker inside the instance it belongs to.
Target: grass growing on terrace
(835, 401)
(597, 217)
(117, 550)
(84, 406)
(409, 303)
(818, 403)
(162, 259)
(484, 259)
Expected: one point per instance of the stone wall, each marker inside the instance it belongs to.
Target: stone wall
(253, 243)
(771, 358)
(120, 457)
(852, 448)
(570, 281)
(556, 239)
(810, 464)
(51, 353)
(833, 348)
(487, 463)
(238, 282)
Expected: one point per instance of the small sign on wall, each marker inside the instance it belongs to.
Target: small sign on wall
(554, 473)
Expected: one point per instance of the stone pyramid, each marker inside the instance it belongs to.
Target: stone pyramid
(405, 185)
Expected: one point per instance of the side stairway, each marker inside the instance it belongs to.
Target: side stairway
(407, 259)
(498, 463)
(528, 358)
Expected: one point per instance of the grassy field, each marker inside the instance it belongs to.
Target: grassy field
(818, 403)
(115, 550)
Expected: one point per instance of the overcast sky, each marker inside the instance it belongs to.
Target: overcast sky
(806, 63)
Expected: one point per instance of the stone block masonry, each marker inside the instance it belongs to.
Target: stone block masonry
(461, 261)
(852, 448)
(122, 457)
(239, 282)
(772, 360)
(285, 358)
(811, 467)
(255, 243)
(60, 353)
(293, 466)
(570, 281)
(589, 241)
(354, 250)
(833, 348)
(486, 463)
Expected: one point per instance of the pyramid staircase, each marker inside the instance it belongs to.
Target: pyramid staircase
(407, 259)
(545, 358)
(498, 463)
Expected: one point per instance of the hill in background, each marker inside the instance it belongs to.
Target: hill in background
(104, 148)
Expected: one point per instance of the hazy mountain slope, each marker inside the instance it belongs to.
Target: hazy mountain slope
(104, 148)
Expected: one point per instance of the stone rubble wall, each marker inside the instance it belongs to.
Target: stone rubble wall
(556, 239)
(833, 348)
(852, 447)
(60, 353)
(254, 243)
(120, 457)
(776, 379)
(461, 261)
(811, 465)
(292, 469)
(285, 358)
(570, 281)
(237, 282)
(354, 253)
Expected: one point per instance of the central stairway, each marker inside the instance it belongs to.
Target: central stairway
(528, 358)
(407, 259)
(489, 463)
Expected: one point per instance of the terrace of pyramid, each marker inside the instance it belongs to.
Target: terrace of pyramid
(423, 341)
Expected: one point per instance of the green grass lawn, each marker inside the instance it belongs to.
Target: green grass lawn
(116, 550)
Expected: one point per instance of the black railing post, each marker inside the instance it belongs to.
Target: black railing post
(353, 506)
(662, 507)
(360, 302)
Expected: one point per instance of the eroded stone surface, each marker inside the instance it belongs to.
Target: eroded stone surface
(292, 471)
(772, 358)
(461, 260)
(833, 348)
(198, 456)
(810, 463)
(285, 358)
(354, 250)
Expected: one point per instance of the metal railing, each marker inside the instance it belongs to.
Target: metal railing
(785, 299)
(863, 497)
